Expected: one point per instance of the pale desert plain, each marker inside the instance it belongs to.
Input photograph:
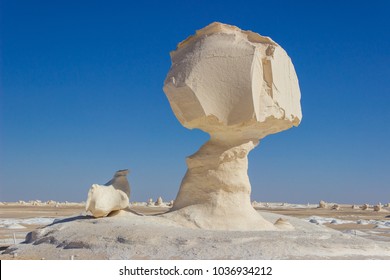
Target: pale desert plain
(238, 87)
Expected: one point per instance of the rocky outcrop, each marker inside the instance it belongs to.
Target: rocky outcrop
(159, 201)
(335, 207)
(150, 202)
(364, 206)
(322, 204)
(378, 207)
(239, 87)
(113, 196)
(102, 200)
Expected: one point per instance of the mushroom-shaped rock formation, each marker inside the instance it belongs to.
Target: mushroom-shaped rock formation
(239, 87)
(113, 196)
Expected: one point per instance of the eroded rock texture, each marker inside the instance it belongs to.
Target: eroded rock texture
(113, 196)
(239, 87)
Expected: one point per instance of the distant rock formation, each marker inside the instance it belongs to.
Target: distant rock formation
(159, 201)
(378, 207)
(364, 206)
(239, 87)
(113, 196)
(322, 204)
(335, 207)
(150, 202)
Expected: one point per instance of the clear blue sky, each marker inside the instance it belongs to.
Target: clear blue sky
(81, 97)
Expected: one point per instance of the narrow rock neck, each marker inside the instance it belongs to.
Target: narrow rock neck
(217, 174)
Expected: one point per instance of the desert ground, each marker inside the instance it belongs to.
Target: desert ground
(66, 231)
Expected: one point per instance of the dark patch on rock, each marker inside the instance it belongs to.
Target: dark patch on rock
(77, 245)
(2, 248)
(123, 240)
(9, 250)
(31, 237)
(46, 239)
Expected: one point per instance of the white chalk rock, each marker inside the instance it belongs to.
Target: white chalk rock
(159, 201)
(322, 204)
(335, 207)
(378, 207)
(239, 87)
(364, 206)
(150, 202)
(102, 200)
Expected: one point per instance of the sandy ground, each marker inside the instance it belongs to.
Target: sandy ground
(320, 234)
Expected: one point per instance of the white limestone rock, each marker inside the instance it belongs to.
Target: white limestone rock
(150, 202)
(335, 207)
(113, 196)
(239, 87)
(378, 207)
(365, 206)
(322, 204)
(159, 201)
(102, 200)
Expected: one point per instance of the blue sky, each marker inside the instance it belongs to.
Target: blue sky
(81, 97)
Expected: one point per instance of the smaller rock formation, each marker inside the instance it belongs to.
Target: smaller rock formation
(378, 207)
(150, 202)
(159, 201)
(51, 202)
(102, 200)
(335, 207)
(113, 196)
(355, 207)
(322, 204)
(119, 181)
(364, 206)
